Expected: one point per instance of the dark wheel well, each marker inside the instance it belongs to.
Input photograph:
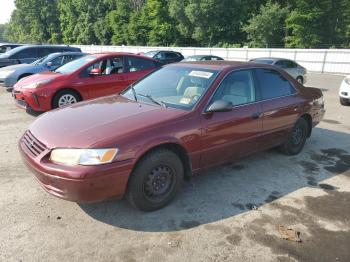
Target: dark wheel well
(66, 89)
(22, 76)
(177, 149)
(308, 119)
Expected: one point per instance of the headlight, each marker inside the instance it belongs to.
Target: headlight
(6, 73)
(347, 80)
(85, 157)
(37, 84)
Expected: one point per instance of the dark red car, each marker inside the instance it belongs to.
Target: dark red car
(85, 78)
(178, 121)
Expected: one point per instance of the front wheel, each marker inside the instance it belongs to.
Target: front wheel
(297, 138)
(155, 180)
(300, 79)
(64, 98)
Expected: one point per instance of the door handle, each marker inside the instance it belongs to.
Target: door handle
(256, 115)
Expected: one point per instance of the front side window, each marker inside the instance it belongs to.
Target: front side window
(58, 61)
(108, 66)
(237, 88)
(136, 64)
(273, 84)
(175, 86)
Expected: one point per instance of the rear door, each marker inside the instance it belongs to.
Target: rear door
(229, 135)
(281, 106)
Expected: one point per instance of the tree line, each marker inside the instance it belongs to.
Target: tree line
(214, 23)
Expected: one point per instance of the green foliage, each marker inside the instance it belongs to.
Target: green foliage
(222, 23)
(2, 32)
(318, 24)
(34, 21)
(267, 27)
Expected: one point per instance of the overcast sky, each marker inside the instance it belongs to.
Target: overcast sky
(6, 9)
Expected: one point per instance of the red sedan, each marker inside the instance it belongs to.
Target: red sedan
(178, 121)
(85, 78)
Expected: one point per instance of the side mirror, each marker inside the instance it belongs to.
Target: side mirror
(220, 106)
(95, 72)
(49, 64)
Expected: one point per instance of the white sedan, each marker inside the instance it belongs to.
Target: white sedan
(344, 91)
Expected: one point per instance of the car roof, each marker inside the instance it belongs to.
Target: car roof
(271, 58)
(66, 53)
(108, 54)
(202, 55)
(220, 65)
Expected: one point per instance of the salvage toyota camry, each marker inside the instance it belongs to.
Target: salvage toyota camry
(176, 122)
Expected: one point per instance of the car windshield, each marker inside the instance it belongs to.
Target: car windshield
(37, 62)
(150, 53)
(75, 65)
(173, 86)
(263, 61)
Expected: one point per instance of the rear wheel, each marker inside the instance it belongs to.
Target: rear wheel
(155, 180)
(297, 138)
(64, 98)
(344, 102)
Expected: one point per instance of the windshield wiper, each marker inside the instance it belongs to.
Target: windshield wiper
(133, 92)
(160, 103)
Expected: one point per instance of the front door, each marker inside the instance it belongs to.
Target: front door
(112, 79)
(227, 136)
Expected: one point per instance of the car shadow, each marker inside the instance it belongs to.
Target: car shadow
(237, 188)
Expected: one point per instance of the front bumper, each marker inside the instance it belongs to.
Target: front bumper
(344, 91)
(8, 81)
(27, 99)
(81, 184)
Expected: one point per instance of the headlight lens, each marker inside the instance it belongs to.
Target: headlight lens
(37, 84)
(85, 157)
(347, 80)
(6, 73)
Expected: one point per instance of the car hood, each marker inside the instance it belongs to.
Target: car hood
(19, 66)
(99, 122)
(39, 77)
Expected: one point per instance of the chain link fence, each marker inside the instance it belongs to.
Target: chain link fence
(335, 61)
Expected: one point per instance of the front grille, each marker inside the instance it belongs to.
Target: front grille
(34, 146)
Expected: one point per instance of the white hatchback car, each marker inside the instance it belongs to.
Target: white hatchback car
(344, 91)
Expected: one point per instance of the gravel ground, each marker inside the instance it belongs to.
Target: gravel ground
(231, 213)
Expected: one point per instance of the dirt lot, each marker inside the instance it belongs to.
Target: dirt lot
(229, 214)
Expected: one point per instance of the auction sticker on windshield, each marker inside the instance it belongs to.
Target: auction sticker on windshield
(202, 74)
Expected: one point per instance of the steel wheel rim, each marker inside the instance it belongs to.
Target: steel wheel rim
(297, 136)
(159, 183)
(300, 80)
(66, 99)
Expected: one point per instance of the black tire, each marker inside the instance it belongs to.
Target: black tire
(155, 180)
(64, 93)
(300, 79)
(344, 102)
(296, 139)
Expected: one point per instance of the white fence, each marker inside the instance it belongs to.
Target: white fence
(335, 61)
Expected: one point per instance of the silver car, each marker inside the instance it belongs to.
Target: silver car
(10, 75)
(290, 66)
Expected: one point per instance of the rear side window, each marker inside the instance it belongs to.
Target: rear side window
(170, 55)
(138, 64)
(44, 51)
(273, 84)
(26, 53)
